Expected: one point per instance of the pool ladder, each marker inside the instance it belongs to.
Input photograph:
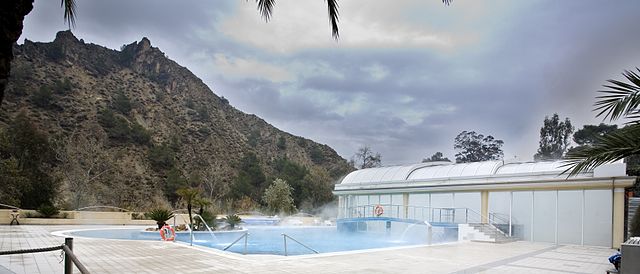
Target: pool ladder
(285, 236)
(245, 236)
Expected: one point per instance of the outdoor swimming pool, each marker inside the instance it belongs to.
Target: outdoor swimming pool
(269, 239)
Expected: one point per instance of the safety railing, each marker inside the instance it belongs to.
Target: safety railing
(285, 236)
(10, 206)
(213, 236)
(422, 213)
(502, 222)
(70, 259)
(246, 237)
(107, 207)
(448, 215)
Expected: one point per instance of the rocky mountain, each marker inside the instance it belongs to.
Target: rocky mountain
(149, 116)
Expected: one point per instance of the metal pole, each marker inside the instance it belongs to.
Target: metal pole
(466, 215)
(68, 264)
(454, 216)
(510, 212)
(245, 243)
(285, 244)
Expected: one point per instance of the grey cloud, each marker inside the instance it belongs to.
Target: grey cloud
(540, 58)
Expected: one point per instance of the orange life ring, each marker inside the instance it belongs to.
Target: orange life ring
(167, 233)
(378, 210)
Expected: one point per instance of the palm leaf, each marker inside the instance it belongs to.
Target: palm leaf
(612, 147)
(621, 100)
(266, 8)
(332, 6)
(69, 12)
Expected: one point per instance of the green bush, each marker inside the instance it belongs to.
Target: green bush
(160, 215)
(118, 128)
(42, 97)
(139, 134)
(233, 220)
(209, 218)
(121, 103)
(282, 143)
(62, 87)
(162, 157)
(316, 155)
(48, 211)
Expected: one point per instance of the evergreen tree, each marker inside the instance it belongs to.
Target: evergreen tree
(278, 197)
(436, 157)
(554, 138)
(474, 147)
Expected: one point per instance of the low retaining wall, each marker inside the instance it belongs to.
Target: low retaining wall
(75, 218)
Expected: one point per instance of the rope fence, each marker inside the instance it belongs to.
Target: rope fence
(69, 258)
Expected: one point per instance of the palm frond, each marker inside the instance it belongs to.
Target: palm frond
(69, 12)
(266, 8)
(332, 5)
(612, 147)
(447, 2)
(622, 99)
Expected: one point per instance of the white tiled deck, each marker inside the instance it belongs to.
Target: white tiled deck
(121, 256)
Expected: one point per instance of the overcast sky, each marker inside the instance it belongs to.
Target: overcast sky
(405, 77)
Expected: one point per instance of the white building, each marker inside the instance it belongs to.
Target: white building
(534, 201)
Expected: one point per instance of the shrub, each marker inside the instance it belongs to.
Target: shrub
(121, 103)
(278, 197)
(118, 128)
(48, 211)
(139, 134)
(282, 143)
(203, 112)
(160, 215)
(161, 157)
(233, 220)
(209, 218)
(62, 87)
(42, 97)
(316, 155)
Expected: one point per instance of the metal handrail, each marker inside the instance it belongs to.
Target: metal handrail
(245, 236)
(92, 207)
(285, 236)
(213, 236)
(10, 206)
(430, 214)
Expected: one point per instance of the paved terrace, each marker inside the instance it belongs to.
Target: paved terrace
(121, 256)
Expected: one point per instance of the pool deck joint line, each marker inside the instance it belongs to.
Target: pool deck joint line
(506, 261)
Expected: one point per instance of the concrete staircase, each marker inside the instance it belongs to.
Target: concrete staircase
(482, 233)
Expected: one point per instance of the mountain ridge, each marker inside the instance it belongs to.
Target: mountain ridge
(96, 91)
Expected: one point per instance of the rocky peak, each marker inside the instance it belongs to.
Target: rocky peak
(65, 37)
(144, 44)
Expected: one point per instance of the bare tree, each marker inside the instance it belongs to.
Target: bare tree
(83, 161)
(214, 183)
(366, 158)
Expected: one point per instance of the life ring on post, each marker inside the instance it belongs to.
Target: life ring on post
(167, 233)
(378, 210)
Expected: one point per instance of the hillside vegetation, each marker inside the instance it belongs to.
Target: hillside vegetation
(84, 125)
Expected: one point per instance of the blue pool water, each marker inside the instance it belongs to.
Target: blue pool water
(269, 239)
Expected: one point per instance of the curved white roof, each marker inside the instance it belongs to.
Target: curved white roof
(537, 167)
(442, 170)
